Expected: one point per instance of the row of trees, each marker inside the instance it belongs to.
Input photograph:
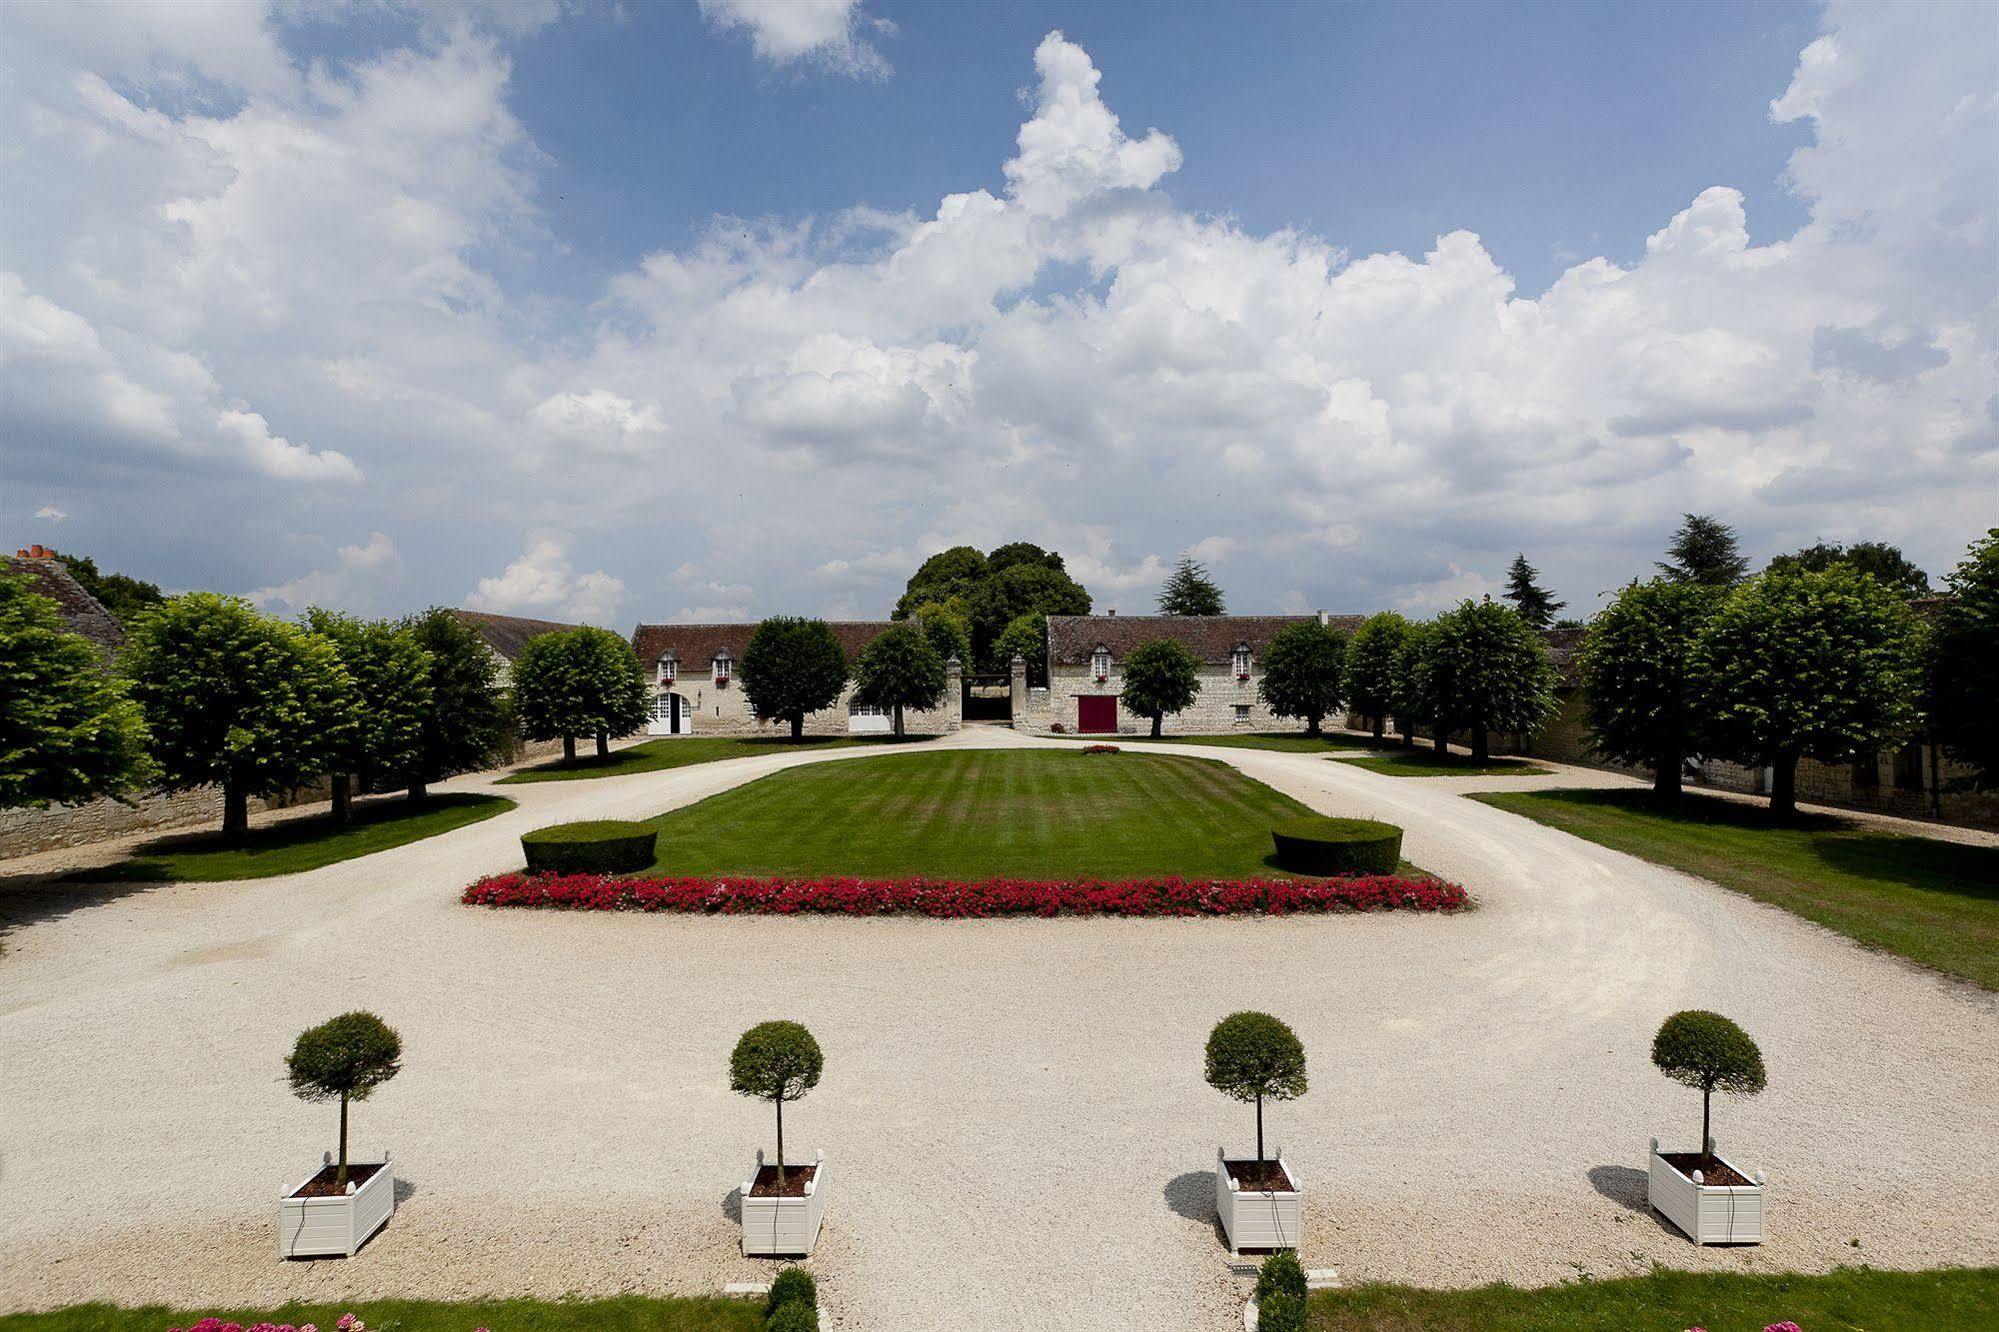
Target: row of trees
(209, 691)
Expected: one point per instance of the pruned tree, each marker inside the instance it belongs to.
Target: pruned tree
(68, 732)
(1704, 551)
(1423, 686)
(1708, 1052)
(1160, 677)
(1535, 603)
(576, 682)
(1026, 637)
(465, 725)
(1814, 665)
(1637, 674)
(1190, 591)
(1255, 1057)
(344, 1059)
(238, 699)
(776, 1062)
(1877, 559)
(1964, 663)
(792, 667)
(948, 631)
(1490, 672)
(391, 676)
(1302, 671)
(899, 670)
(1373, 665)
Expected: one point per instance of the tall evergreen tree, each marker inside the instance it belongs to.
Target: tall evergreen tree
(68, 733)
(1534, 602)
(1189, 591)
(1704, 551)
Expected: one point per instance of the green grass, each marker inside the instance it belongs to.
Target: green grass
(1287, 742)
(1847, 1300)
(1429, 763)
(1930, 901)
(970, 814)
(627, 1313)
(302, 843)
(683, 751)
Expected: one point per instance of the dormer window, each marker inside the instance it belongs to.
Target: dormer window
(1242, 661)
(722, 667)
(669, 668)
(1100, 663)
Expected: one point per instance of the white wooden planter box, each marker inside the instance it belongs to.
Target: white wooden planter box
(1708, 1213)
(787, 1226)
(1258, 1218)
(319, 1227)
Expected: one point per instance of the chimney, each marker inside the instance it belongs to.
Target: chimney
(38, 552)
(1112, 612)
(1325, 618)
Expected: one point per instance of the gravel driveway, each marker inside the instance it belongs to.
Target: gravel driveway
(1016, 1128)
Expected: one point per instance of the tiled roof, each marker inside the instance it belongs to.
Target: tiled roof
(697, 644)
(508, 634)
(81, 612)
(1211, 638)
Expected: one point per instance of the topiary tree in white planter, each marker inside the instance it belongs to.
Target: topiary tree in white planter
(1707, 1051)
(1255, 1057)
(344, 1059)
(776, 1062)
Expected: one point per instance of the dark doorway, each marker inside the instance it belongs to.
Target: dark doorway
(1096, 714)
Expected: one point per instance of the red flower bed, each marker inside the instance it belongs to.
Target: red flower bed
(951, 900)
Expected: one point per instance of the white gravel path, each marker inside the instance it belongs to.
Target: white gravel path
(1017, 1130)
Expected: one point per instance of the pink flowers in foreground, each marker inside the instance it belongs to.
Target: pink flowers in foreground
(948, 899)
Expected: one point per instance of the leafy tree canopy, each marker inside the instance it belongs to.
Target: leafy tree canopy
(1025, 636)
(1160, 677)
(575, 682)
(1964, 663)
(68, 733)
(1704, 551)
(775, 1061)
(1302, 672)
(466, 724)
(792, 667)
(123, 596)
(899, 670)
(391, 675)
(1638, 685)
(1190, 591)
(990, 592)
(348, 1056)
(1252, 1055)
(1877, 559)
(1489, 671)
(1535, 603)
(1373, 664)
(948, 632)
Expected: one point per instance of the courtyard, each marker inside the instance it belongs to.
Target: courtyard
(1479, 1105)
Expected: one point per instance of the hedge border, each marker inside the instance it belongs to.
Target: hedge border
(594, 846)
(1338, 846)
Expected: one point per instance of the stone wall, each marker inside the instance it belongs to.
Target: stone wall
(725, 710)
(25, 831)
(1224, 704)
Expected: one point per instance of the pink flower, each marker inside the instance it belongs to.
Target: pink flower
(349, 1323)
(1786, 1326)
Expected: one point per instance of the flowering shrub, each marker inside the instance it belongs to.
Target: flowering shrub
(951, 900)
(1100, 749)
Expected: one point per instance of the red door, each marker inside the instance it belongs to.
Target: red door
(1096, 714)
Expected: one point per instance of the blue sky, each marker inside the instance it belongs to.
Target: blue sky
(711, 310)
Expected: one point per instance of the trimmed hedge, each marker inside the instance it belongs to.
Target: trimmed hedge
(600, 846)
(1338, 846)
(793, 1285)
(793, 1316)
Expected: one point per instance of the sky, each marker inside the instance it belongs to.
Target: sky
(711, 310)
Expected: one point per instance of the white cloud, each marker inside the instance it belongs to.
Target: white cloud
(1212, 550)
(826, 32)
(543, 582)
(599, 421)
(357, 581)
(52, 513)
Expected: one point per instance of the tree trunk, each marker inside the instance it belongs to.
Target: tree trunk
(235, 810)
(1707, 1158)
(1408, 733)
(1481, 744)
(1666, 776)
(1312, 724)
(603, 743)
(418, 790)
(568, 749)
(797, 726)
(343, 799)
(1784, 784)
(1380, 727)
(1157, 720)
(898, 721)
(340, 1175)
(780, 1146)
(1443, 739)
(1259, 1130)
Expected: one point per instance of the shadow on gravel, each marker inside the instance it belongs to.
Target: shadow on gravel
(1192, 1195)
(34, 899)
(405, 1190)
(1621, 1184)
(732, 1204)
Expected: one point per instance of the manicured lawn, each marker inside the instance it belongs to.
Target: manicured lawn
(1429, 763)
(971, 814)
(1287, 742)
(1847, 1300)
(1931, 901)
(303, 843)
(685, 750)
(628, 1313)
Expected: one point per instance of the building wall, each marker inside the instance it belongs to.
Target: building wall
(725, 710)
(25, 831)
(1212, 712)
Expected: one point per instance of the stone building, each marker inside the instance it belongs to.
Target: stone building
(696, 690)
(1086, 656)
(505, 635)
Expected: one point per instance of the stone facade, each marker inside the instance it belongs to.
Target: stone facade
(697, 689)
(26, 831)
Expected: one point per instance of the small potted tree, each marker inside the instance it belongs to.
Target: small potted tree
(340, 1205)
(782, 1207)
(1255, 1057)
(1704, 1195)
